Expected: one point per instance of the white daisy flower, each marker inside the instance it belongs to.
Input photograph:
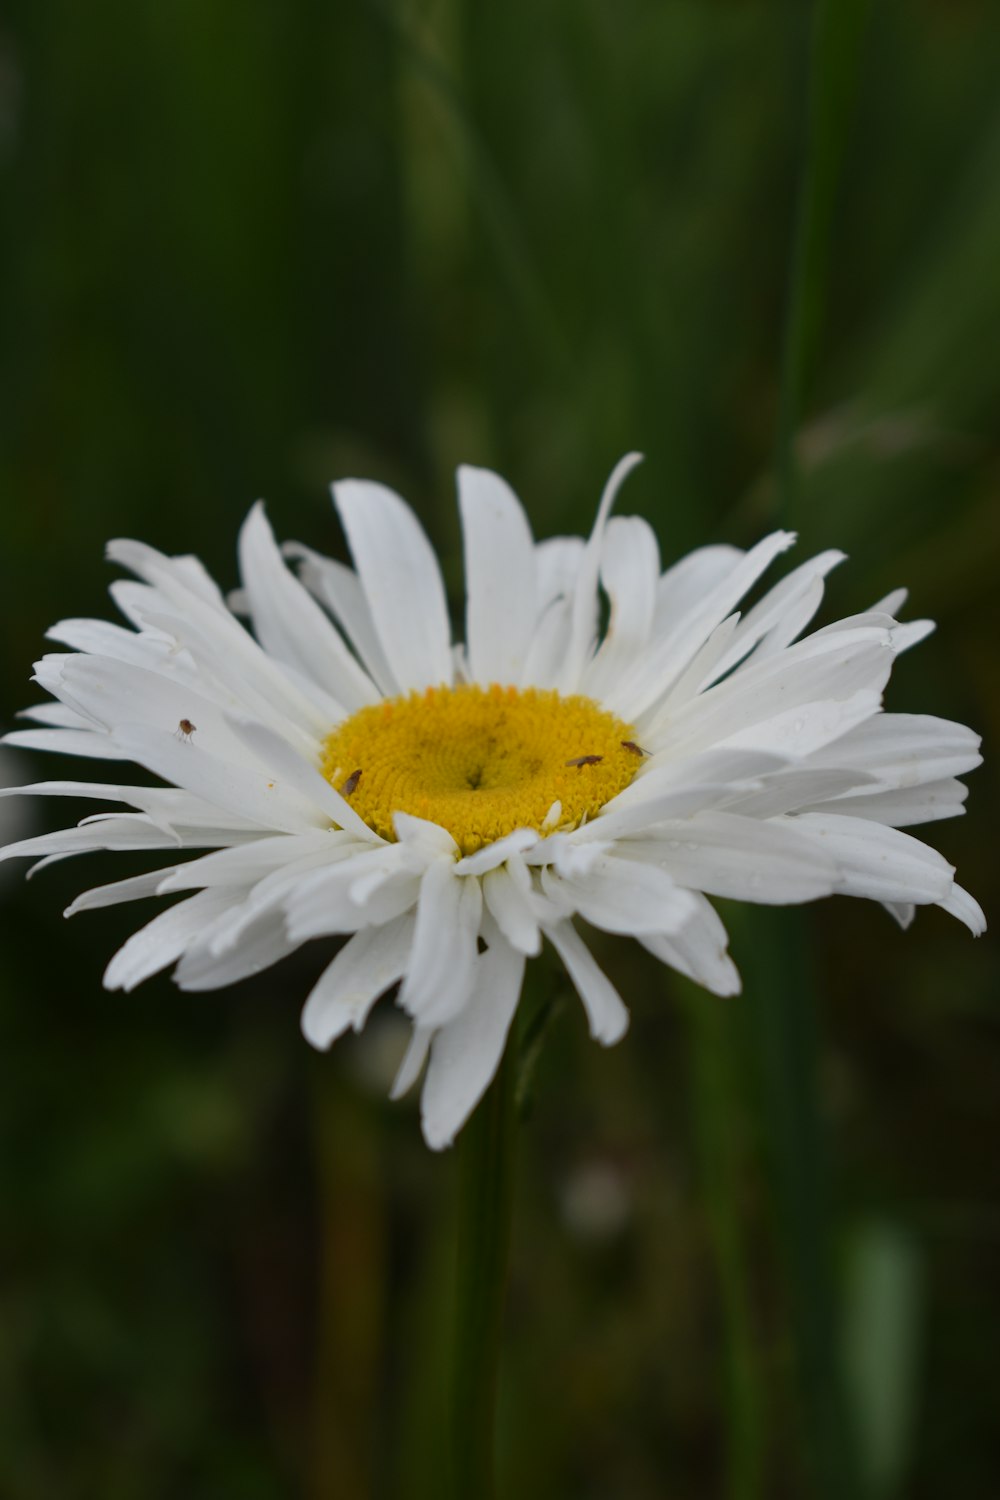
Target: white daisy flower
(444, 808)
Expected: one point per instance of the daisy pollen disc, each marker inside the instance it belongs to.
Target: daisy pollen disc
(481, 762)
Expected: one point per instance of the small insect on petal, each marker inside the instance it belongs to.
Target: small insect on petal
(585, 760)
(185, 729)
(350, 785)
(635, 749)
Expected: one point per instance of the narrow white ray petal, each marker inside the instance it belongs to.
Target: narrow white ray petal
(290, 624)
(906, 749)
(630, 570)
(722, 854)
(233, 788)
(500, 581)
(819, 669)
(137, 888)
(620, 819)
(958, 903)
(216, 637)
(606, 1013)
(497, 853)
(796, 598)
(413, 1061)
(557, 562)
(911, 633)
(164, 939)
(442, 964)
(506, 891)
(699, 673)
(359, 890)
(622, 895)
(366, 966)
(58, 714)
(263, 942)
(878, 862)
(546, 655)
(892, 603)
(466, 1053)
(253, 861)
(584, 600)
(102, 638)
(339, 588)
(687, 582)
(698, 949)
(401, 580)
(799, 789)
(426, 839)
(901, 911)
(92, 744)
(658, 667)
(115, 693)
(127, 831)
(285, 767)
(900, 807)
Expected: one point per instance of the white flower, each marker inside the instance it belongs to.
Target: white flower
(445, 807)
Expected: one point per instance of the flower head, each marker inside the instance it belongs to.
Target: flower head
(444, 808)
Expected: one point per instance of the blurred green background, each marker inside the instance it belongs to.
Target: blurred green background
(250, 246)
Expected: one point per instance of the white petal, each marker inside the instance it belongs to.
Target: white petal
(630, 570)
(783, 613)
(659, 666)
(219, 643)
(137, 888)
(621, 895)
(442, 965)
(723, 854)
(93, 744)
(290, 624)
(900, 807)
(901, 911)
(583, 612)
(958, 903)
(298, 776)
(698, 950)
(497, 853)
(906, 749)
(819, 669)
(231, 787)
(799, 789)
(506, 893)
(878, 862)
(339, 588)
(413, 1060)
(688, 582)
(466, 1053)
(499, 577)
(402, 582)
(364, 969)
(248, 863)
(164, 939)
(263, 942)
(605, 1011)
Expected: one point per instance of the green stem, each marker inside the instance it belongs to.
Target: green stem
(716, 1113)
(485, 1189)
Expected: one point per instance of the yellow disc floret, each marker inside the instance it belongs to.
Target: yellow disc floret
(481, 762)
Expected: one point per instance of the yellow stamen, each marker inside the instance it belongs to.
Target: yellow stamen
(480, 761)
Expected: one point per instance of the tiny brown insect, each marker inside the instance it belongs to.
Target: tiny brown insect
(350, 785)
(635, 749)
(585, 760)
(185, 729)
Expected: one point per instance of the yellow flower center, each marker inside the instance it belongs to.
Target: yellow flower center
(481, 762)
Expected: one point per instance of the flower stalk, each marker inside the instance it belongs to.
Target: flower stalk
(485, 1150)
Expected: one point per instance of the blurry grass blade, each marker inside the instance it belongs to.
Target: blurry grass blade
(838, 28)
(883, 1315)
